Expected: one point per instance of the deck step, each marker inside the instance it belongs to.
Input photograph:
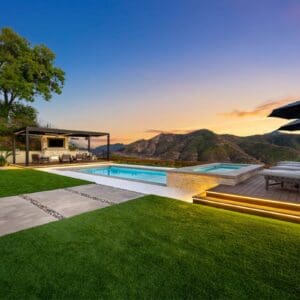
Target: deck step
(284, 210)
(250, 208)
(294, 207)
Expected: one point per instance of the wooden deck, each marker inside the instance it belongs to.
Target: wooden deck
(255, 187)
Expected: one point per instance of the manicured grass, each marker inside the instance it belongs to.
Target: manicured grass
(19, 181)
(153, 248)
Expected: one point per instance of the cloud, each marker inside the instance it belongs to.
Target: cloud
(261, 110)
(159, 131)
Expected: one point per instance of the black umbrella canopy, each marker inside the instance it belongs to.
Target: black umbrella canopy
(289, 111)
(292, 126)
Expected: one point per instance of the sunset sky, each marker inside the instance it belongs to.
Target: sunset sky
(135, 68)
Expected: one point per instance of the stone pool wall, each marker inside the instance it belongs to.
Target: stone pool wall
(200, 183)
(195, 183)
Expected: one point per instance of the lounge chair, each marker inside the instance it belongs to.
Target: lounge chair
(54, 158)
(78, 157)
(86, 157)
(289, 163)
(35, 158)
(90, 157)
(45, 159)
(286, 167)
(65, 158)
(281, 177)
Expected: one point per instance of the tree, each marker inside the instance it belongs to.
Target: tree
(20, 116)
(26, 72)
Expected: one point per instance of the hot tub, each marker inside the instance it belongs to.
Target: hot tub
(203, 177)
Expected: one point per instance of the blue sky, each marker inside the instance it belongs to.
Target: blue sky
(136, 68)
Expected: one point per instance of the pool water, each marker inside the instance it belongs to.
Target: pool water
(220, 168)
(152, 176)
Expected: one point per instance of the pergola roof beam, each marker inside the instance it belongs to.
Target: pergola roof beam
(66, 132)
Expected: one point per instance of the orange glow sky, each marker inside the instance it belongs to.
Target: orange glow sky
(136, 68)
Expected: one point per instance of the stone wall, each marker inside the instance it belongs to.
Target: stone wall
(190, 182)
(200, 182)
(44, 142)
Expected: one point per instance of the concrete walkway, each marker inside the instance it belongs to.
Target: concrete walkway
(30, 210)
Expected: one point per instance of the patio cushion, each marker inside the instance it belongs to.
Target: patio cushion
(54, 158)
(295, 163)
(286, 167)
(281, 173)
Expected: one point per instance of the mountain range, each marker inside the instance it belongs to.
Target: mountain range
(101, 150)
(206, 146)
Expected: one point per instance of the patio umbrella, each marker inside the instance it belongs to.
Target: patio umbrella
(292, 126)
(289, 111)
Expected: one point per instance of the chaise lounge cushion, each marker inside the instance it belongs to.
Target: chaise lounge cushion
(292, 174)
(54, 158)
(289, 163)
(78, 157)
(286, 167)
(66, 158)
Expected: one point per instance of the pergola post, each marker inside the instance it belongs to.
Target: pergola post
(108, 146)
(14, 148)
(27, 146)
(89, 144)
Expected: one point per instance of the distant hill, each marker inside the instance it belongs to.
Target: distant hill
(101, 150)
(206, 146)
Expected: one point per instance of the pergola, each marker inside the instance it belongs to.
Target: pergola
(40, 131)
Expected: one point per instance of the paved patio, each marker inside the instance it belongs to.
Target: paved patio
(30, 210)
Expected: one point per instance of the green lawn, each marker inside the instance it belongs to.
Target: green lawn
(19, 181)
(153, 248)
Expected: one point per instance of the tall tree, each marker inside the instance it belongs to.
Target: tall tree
(20, 116)
(26, 72)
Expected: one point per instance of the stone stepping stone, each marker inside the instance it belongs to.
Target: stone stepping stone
(106, 193)
(65, 203)
(17, 214)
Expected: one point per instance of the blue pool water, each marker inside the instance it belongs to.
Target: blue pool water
(219, 168)
(152, 176)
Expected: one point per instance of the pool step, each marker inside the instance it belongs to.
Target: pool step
(262, 207)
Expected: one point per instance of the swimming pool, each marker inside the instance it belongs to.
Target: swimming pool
(131, 173)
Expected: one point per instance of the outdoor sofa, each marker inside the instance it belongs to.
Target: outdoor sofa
(37, 159)
(83, 157)
(65, 158)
